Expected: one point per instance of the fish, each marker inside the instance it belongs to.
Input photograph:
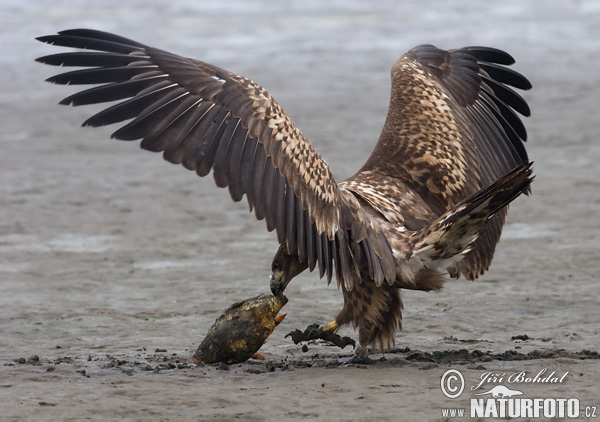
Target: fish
(241, 330)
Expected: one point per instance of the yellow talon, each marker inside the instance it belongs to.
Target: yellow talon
(331, 327)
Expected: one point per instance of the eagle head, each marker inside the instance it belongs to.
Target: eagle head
(285, 266)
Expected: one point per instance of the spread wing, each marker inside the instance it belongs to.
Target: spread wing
(207, 118)
(452, 129)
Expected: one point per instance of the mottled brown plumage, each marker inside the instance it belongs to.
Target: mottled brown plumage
(426, 203)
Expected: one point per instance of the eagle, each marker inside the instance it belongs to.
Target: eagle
(428, 204)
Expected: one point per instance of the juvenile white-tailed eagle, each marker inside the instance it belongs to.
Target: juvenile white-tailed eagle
(431, 199)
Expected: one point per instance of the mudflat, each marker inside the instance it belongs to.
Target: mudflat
(114, 263)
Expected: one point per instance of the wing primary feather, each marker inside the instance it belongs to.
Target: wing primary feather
(379, 275)
(127, 109)
(290, 219)
(236, 181)
(506, 113)
(212, 135)
(508, 154)
(182, 149)
(222, 161)
(491, 160)
(388, 262)
(193, 147)
(356, 253)
(505, 75)
(247, 164)
(326, 243)
(110, 92)
(310, 242)
(489, 54)
(336, 261)
(64, 40)
(258, 170)
(514, 139)
(345, 260)
(100, 75)
(509, 96)
(149, 74)
(319, 251)
(279, 205)
(152, 117)
(301, 238)
(90, 59)
(365, 248)
(173, 128)
(92, 35)
(267, 193)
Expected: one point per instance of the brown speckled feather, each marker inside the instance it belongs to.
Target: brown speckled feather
(206, 118)
(450, 131)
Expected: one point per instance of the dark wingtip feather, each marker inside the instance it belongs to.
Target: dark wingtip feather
(43, 60)
(100, 35)
(106, 43)
(506, 75)
(490, 54)
(46, 39)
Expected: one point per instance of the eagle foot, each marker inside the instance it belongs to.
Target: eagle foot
(360, 357)
(356, 360)
(314, 332)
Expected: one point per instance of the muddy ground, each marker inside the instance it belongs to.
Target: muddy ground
(114, 264)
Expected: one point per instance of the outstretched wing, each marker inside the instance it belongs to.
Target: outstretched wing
(451, 130)
(207, 118)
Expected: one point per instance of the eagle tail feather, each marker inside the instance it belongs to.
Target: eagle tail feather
(449, 238)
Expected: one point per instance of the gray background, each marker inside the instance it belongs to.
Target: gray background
(108, 253)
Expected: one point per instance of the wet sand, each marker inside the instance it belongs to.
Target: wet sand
(114, 264)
